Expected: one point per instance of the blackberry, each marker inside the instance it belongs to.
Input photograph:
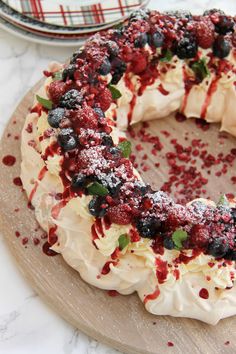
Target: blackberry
(186, 48)
(107, 140)
(79, 54)
(149, 227)
(139, 15)
(112, 48)
(68, 72)
(67, 139)
(218, 247)
(71, 99)
(221, 47)
(95, 207)
(141, 189)
(156, 39)
(231, 255)
(180, 14)
(212, 12)
(119, 67)
(55, 116)
(224, 25)
(141, 40)
(105, 68)
(112, 183)
(168, 243)
(78, 180)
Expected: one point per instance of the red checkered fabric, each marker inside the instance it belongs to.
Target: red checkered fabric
(74, 12)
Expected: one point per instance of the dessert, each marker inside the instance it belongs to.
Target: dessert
(106, 222)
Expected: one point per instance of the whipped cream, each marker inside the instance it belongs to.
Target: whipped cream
(176, 289)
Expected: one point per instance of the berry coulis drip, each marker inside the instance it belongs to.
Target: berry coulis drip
(93, 164)
(9, 160)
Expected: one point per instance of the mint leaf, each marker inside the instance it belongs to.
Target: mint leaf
(114, 92)
(223, 200)
(97, 189)
(57, 76)
(178, 237)
(123, 241)
(125, 147)
(168, 55)
(44, 102)
(200, 69)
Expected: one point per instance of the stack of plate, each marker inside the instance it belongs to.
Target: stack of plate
(63, 22)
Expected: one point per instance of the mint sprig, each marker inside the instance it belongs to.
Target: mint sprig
(57, 76)
(125, 147)
(179, 236)
(123, 241)
(115, 93)
(223, 200)
(97, 189)
(44, 102)
(168, 55)
(200, 69)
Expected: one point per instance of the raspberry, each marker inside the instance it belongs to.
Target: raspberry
(86, 118)
(55, 90)
(120, 214)
(205, 33)
(199, 236)
(105, 99)
(139, 63)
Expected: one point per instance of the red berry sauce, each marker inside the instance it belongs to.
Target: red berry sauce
(9, 160)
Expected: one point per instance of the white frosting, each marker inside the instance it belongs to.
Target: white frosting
(138, 264)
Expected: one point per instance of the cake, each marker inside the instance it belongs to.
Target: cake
(110, 226)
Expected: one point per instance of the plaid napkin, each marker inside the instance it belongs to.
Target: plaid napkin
(75, 12)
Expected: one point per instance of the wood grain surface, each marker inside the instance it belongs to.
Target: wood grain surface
(120, 321)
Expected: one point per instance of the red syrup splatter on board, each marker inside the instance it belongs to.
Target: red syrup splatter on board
(17, 181)
(46, 250)
(170, 344)
(112, 293)
(204, 294)
(9, 160)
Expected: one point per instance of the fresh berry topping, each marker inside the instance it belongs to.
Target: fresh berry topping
(181, 14)
(68, 72)
(55, 90)
(67, 139)
(169, 243)
(55, 116)
(138, 15)
(97, 206)
(107, 140)
(186, 48)
(111, 182)
(71, 99)
(224, 25)
(149, 227)
(105, 99)
(157, 39)
(85, 117)
(221, 47)
(105, 68)
(119, 67)
(213, 12)
(139, 63)
(112, 48)
(141, 40)
(99, 112)
(199, 236)
(120, 214)
(79, 54)
(78, 180)
(233, 213)
(218, 247)
(205, 33)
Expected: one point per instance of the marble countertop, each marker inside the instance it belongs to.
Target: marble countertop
(27, 325)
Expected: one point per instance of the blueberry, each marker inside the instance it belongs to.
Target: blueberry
(141, 40)
(224, 25)
(119, 67)
(186, 48)
(95, 207)
(218, 247)
(67, 139)
(107, 140)
(221, 47)
(112, 48)
(139, 15)
(115, 152)
(71, 99)
(105, 68)
(55, 116)
(149, 227)
(68, 72)
(78, 180)
(99, 112)
(169, 243)
(156, 39)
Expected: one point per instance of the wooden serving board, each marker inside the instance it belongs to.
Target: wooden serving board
(120, 321)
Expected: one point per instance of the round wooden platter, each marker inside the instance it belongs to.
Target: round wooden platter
(120, 321)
